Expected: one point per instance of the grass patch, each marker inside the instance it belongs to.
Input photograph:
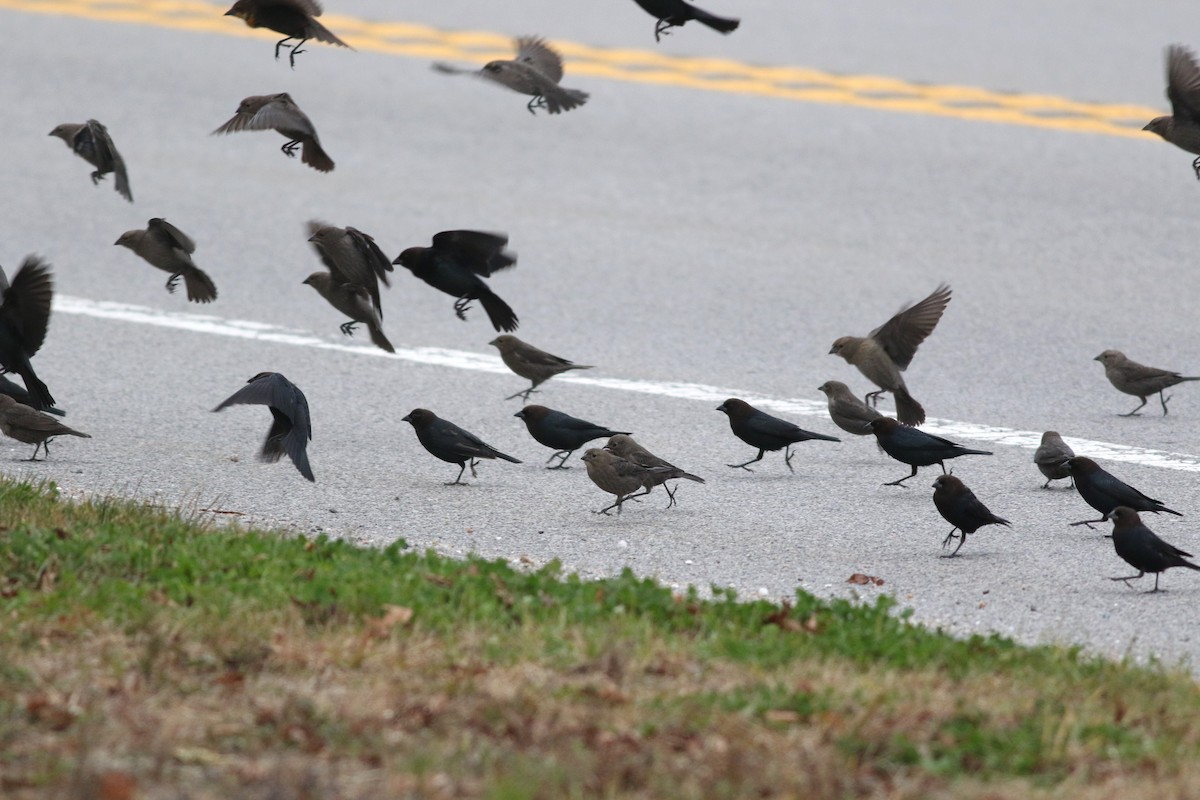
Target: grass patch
(145, 655)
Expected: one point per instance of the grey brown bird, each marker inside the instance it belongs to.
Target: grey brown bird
(623, 445)
(1141, 548)
(1104, 491)
(91, 142)
(530, 363)
(561, 432)
(618, 476)
(278, 112)
(445, 440)
(164, 246)
(24, 320)
(291, 427)
(456, 264)
(295, 19)
(1136, 379)
(846, 410)
(535, 71)
(674, 13)
(888, 350)
(1051, 458)
(959, 506)
(356, 266)
(1182, 128)
(916, 447)
(760, 429)
(31, 426)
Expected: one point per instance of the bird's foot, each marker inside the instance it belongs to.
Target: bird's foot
(1164, 401)
(289, 148)
(97, 176)
(536, 103)
(523, 394)
(872, 398)
(1131, 414)
(295, 52)
(348, 328)
(740, 466)
(172, 282)
(458, 482)
(662, 28)
(670, 495)
(1196, 168)
(461, 306)
(473, 463)
(899, 483)
(787, 458)
(280, 44)
(1087, 522)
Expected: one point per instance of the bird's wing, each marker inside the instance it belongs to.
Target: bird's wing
(901, 335)
(27, 302)
(378, 263)
(3, 283)
(767, 425)
(1133, 372)
(483, 253)
(106, 151)
(174, 237)
(280, 112)
(274, 390)
(534, 51)
(310, 7)
(540, 358)
(1183, 83)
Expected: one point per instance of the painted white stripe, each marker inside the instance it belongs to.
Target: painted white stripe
(482, 362)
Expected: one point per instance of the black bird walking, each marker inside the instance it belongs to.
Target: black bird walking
(455, 264)
(916, 447)
(1182, 128)
(959, 506)
(24, 318)
(91, 142)
(674, 13)
(560, 432)
(1142, 549)
(1104, 492)
(295, 19)
(445, 440)
(291, 429)
(759, 429)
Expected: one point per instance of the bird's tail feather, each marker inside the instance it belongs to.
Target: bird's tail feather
(380, 340)
(316, 157)
(200, 288)
(39, 393)
(908, 410)
(502, 316)
(559, 99)
(722, 24)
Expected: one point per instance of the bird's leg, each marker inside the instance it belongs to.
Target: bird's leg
(289, 148)
(902, 480)
(616, 505)
(663, 28)
(537, 102)
(1164, 401)
(97, 176)
(1046, 485)
(562, 456)
(1196, 167)
(872, 398)
(474, 463)
(461, 306)
(1089, 522)
(1134, 578)
(670, 494)
(1135, 413)
(35, 449)
(787, 457)
(1155, 589)
(962, 539)
(348, 327)
(295, 52)
(751, 461)
(459, 481)
(949, 537)
(523, 394)
(280, 44)
(172, 282)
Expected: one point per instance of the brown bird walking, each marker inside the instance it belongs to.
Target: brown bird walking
(888, 350)
(623, 445)
(295, 19)
(1137, 379)
(356, 266)
(618, 476)
(530, 363)
(959, 506)
(1051, 458)
(278, 112)
(170, 249)
(31, 426)
(91, 142)
(1141, 548)
(535, 71)
(1182, 128)
(847, 411)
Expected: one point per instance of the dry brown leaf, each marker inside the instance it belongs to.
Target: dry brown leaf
(393, 616)
(861, 579)
(116, 785)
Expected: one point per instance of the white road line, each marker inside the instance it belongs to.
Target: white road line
(460, 359)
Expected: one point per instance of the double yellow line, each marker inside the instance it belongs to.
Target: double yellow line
(642, 66)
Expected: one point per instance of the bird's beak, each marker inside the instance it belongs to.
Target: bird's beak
(520, 414)
(492, 342)
(118, 241)
(313, 237)
(832, 350)
(406, 418)
(1097, 358)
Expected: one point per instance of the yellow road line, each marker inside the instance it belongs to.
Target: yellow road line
(642, 66)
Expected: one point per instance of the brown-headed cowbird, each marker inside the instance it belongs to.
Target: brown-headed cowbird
(19, 393)
(1103, 491)
(888, 350)
(1182, 128)
(624, 446)
(1137, 379)
(91, 142)
(291, 428)
(278, 112)
(1051, 458)
(561, 432)
(1142, 549)
(31, 426)
(356, 266)
(527, 361)
(759, 429)
(445, 440)
(618, 476)
(916, 448)
(293, 18)
(674, 13)
(847, 411)
(535, 71)
(170, 249)
(455, 263)
(24, 318)
(962, 509)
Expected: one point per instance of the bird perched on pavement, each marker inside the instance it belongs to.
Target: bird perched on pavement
(1051, 458)
(674, 13)
(618, 476)
(535, 71)
(1136, 379)
(916, 447)
(1182, 127)
(760, 429)
(291, 428)
(279, 112)
(295, 19)
(31, 426)
(170, 249)
(530, 363)
(561, 432)
(888, 350)
(847, 411)
(356, 266)
(1103, 491)
(455, 264)
(1141, 548)
(24, 319)
(445, 440)
(624, 446)
(91, 142)
(959, 506)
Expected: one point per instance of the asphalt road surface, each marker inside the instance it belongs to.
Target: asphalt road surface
(691, 243)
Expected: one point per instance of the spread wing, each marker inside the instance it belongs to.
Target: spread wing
(1183, 83)
(168, 233)
(901, 335)
(534, 51)
(27, 302)
(310, 7)
(106, 153)
(482, 253)
(274, 390)
(379, 264)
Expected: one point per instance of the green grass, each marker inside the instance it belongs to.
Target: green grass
(140, 646)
